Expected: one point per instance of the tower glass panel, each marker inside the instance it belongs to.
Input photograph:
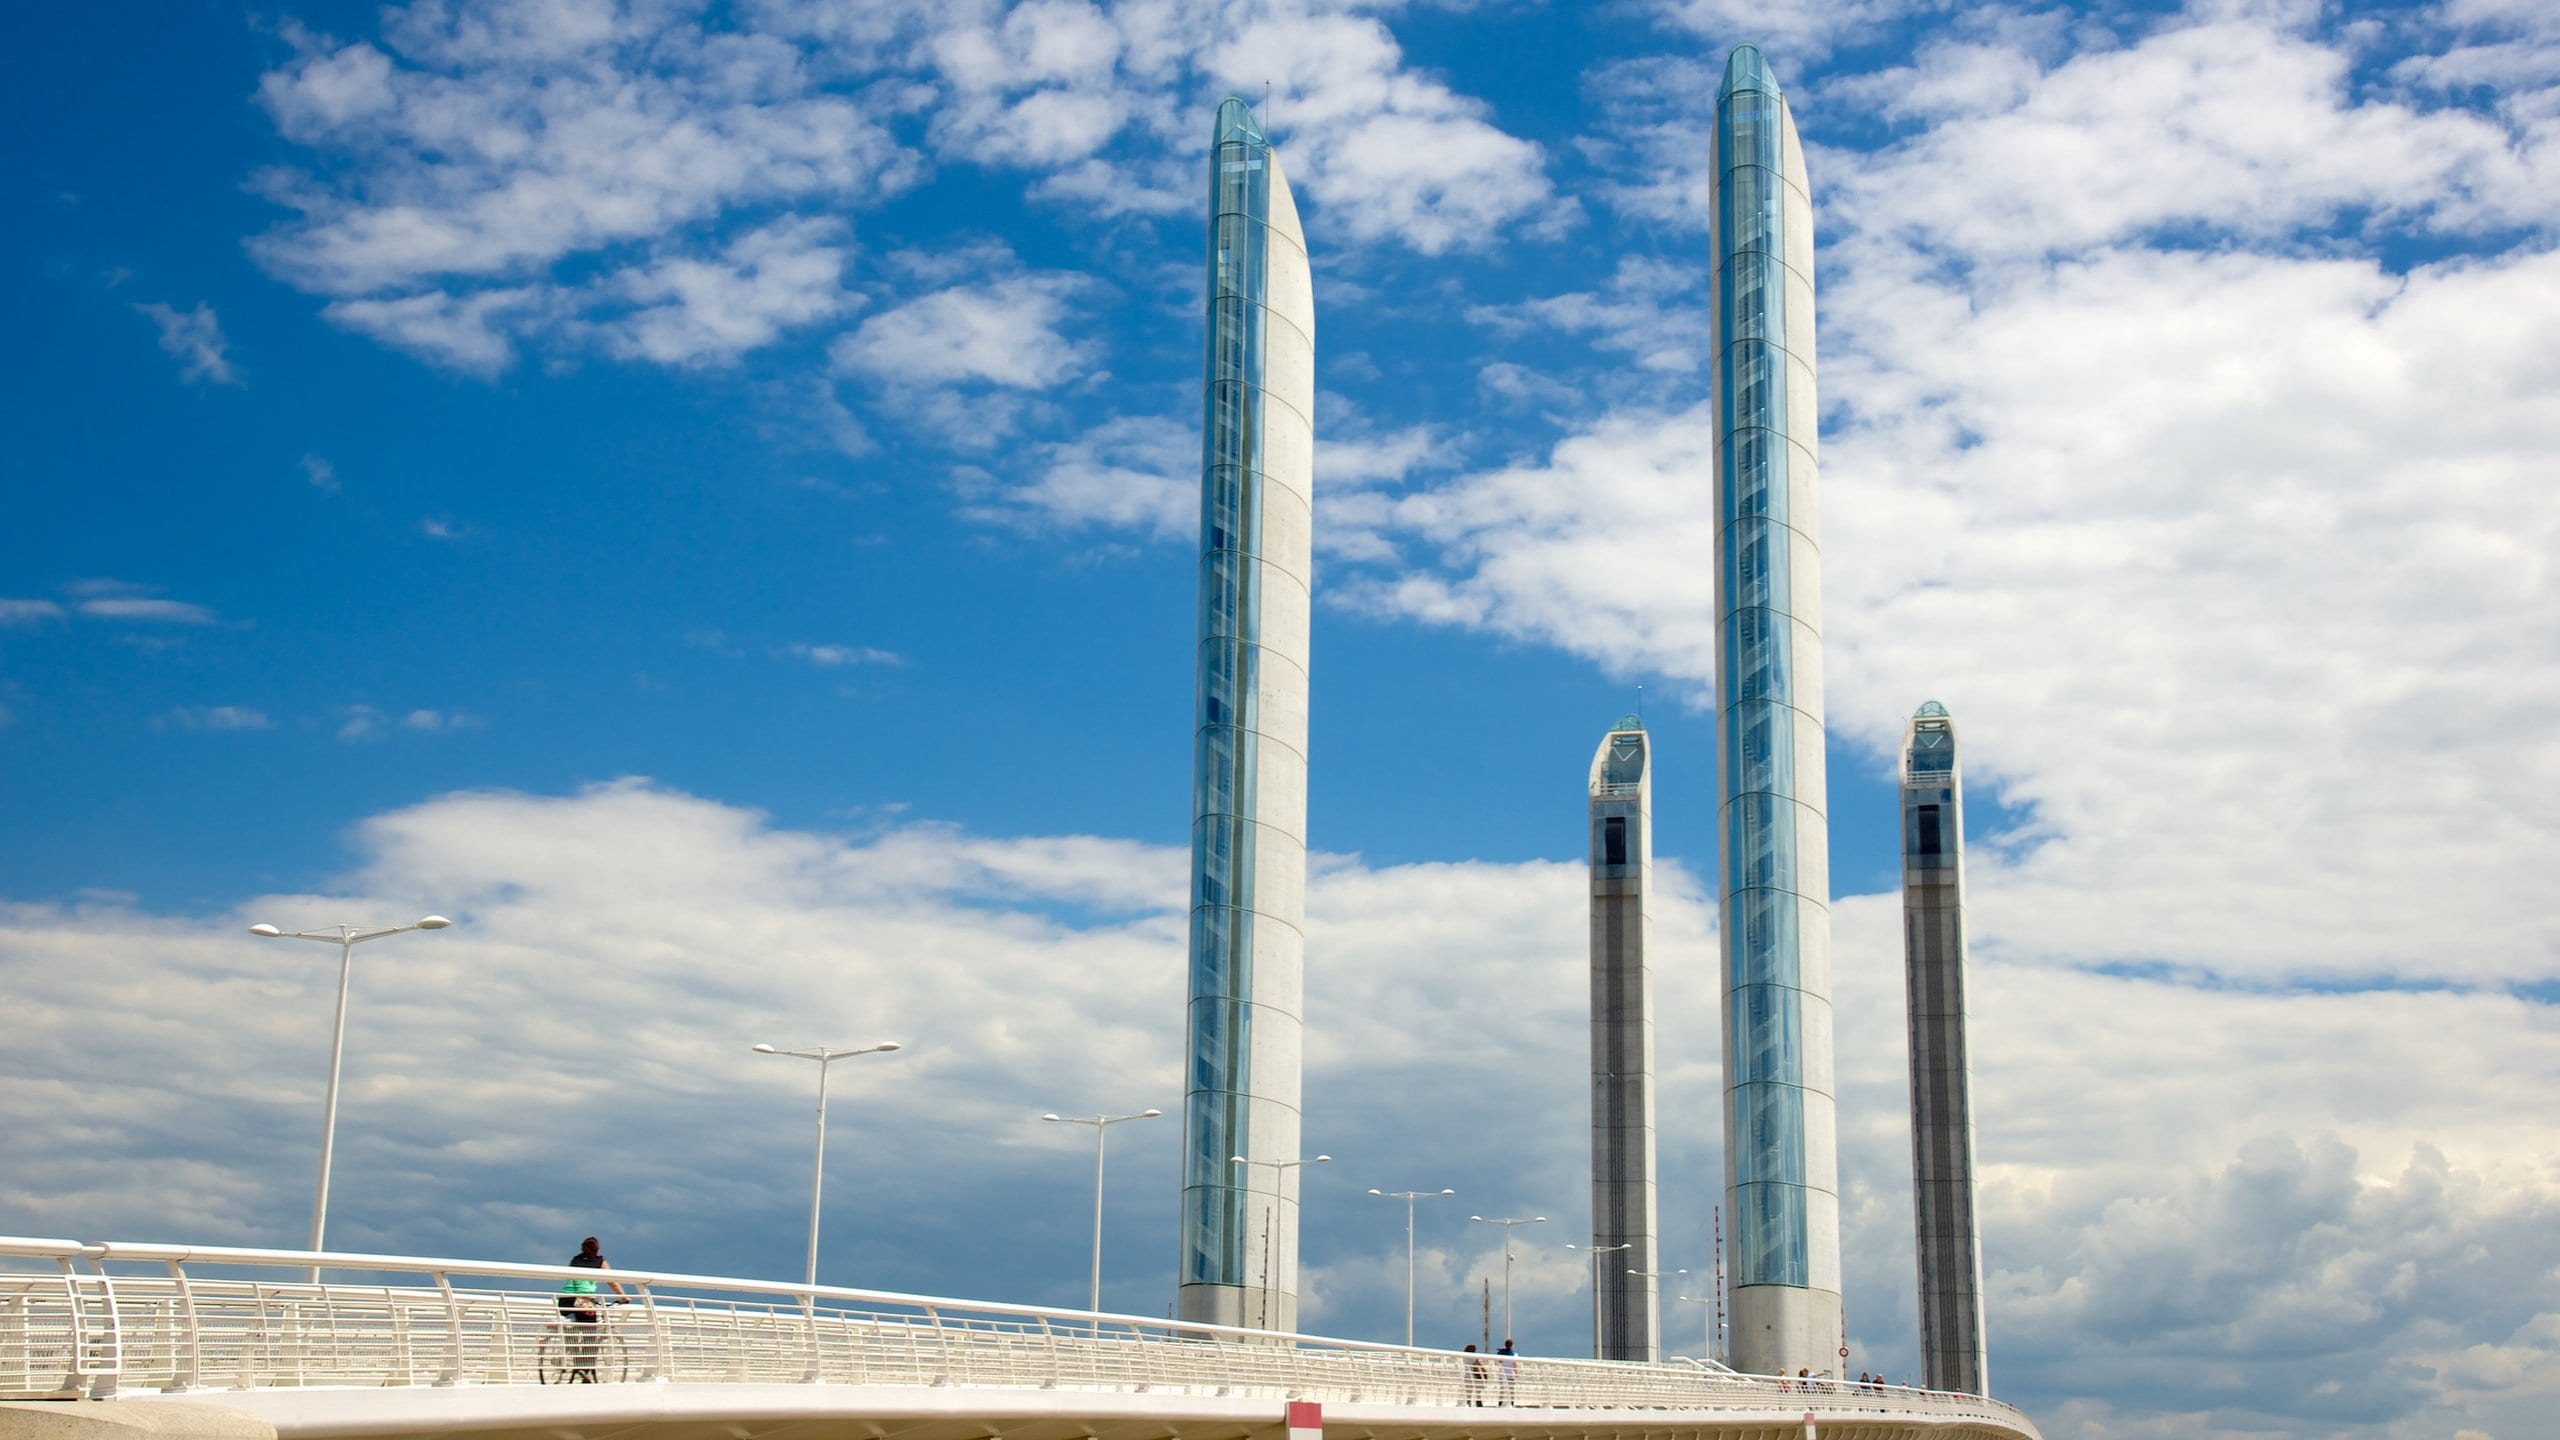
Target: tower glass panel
(1781, 1170)
(1239, 1256)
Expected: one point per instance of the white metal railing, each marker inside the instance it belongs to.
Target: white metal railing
(90, 1319)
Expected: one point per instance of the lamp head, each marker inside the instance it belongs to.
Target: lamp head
(1448, 1192)
(1049, 1117)
(1149, 1114)
(1238, 1160)
(268, 932)
(1321, 1160)
(885, 1046)
(764, 1050)
(1377, 1192)
(434, 922)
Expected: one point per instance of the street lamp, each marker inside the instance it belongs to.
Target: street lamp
(1101, 1125)
(1408, 1197)
(1506, 1225)
(825, 1056)
(1707, 1339)
(1654, 1275)
(1595, 1252)
(346, 938)
(1262, 1318)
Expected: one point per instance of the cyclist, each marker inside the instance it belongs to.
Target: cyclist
(578, 1305)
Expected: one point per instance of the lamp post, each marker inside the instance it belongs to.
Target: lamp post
(1409, 1197)
(1654, 1275)
(1595, 1252)
(825, 1056)
(1506, 1224)
(346, 938)
(1707, 1337)
(1101, 1125)
(1278, 1168)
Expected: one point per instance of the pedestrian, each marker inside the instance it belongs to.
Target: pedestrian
(1475, 1376)
(1510, 1366)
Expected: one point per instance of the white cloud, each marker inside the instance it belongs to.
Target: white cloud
(468, 332)
(365, 722)
(1637, 315)
(146, 609)
(1002, 332)
(322, 475)
(219, 717)
(1135, 472)
(28, 612)
(2231, 120)
(194, 339)
(1786, 30)
(830, 657)
(2276, 1213)
(478, 163)
(1385, 153)
(781, 277)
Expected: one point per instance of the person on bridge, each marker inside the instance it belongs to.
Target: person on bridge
(1510, 1366)
(578, 1305)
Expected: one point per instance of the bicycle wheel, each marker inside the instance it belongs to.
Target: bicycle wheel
(610, 1368)
(551, 1359)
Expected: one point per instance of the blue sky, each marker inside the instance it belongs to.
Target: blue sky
(703, 494)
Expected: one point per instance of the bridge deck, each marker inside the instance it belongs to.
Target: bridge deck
(392, 1346)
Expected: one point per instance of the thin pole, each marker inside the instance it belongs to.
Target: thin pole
(1595, 1302)
(329, 1113)
(1408, 1271)
(1095, 1304)
(818, 1170)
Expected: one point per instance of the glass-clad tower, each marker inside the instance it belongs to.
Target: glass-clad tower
(1622, 1176)
(1950, 1249)
(1781, 1150)
(1239, 1263)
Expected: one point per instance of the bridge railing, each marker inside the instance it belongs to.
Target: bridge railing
(96, 1319)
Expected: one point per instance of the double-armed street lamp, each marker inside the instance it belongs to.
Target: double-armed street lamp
(1101, 1126)
(825, 1056)
(1506, 1224)
(1707, 1339)
(1409, 1197)
(1654, 1274)
(1595, 1252)
(346, 938)
(1279, 1168)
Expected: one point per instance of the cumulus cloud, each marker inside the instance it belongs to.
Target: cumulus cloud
(488, 174)
(768, 280)
(193, 338)
(2219, 1189)
(1003, 332)
(1135, 472)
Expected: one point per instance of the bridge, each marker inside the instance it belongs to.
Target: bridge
(118, 1341)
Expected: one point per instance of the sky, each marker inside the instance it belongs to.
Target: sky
(704, 495)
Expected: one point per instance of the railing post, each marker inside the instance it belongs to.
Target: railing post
(662, 1362)
(453, 1330)
(942, 1344)
(809, 1323)
(190, 1368)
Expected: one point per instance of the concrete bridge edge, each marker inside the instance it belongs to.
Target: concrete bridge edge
(129, 1420)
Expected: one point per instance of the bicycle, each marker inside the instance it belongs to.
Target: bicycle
(579, 1352)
